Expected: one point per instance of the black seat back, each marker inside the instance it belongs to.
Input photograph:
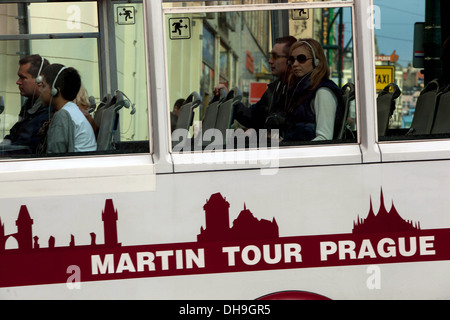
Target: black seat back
(425, 110)
(386, 106)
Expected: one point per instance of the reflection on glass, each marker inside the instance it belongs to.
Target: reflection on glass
(233, 51)
(9, 25)
(121, 114)
(131, 74)
(169, 3)
(408, 71)
(67, 17)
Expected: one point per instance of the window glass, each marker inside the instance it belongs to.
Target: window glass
(410, 82)
(179, 3)
(67, 52)
(223, 65)
(131, 74)
(112, 115)
(63, 17)
(246, 54)
(8, 23)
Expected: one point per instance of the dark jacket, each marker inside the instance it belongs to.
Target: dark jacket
(24, 134)
(255, 116)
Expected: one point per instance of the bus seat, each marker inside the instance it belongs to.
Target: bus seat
(348, 92)
(225, 115)
(2, 105)
(105, 103)
(106, 130)
(110, 119)
(186, 114)
(209, 122)
(386, 106)
(425, 110)
(442, 120)
(122, 100)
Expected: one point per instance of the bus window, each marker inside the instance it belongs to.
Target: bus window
(178, 3)
(411, 88)
(112, 101)
(131, 75)
(238, 78)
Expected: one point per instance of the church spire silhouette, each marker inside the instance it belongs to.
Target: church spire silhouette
(2, 236)
(109, 218)
(383, 221)
(24, 229)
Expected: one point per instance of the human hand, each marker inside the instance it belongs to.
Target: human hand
(219, 87)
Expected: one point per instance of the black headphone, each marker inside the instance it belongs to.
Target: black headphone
(54, 91)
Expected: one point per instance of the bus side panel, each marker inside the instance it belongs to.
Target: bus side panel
(344, 232)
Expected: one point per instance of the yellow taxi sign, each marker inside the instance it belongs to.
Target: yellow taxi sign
(383, 76)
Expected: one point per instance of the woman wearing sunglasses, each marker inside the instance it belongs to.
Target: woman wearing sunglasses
(314, 102)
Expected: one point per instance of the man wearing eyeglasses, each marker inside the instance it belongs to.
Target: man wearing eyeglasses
(255, 116)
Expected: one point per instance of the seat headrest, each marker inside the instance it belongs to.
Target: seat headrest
(193, 98)
(391, 88)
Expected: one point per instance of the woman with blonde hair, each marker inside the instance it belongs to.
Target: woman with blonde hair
(82, 101)
(313, 108)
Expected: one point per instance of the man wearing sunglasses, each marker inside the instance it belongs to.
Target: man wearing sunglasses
(255, 116)
(278, 60)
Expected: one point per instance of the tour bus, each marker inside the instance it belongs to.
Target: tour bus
(188, 203)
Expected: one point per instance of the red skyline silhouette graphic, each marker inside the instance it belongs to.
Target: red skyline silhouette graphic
(245, 226)
(217, 228)
(257, 241)
(27, 243)
(383, 221)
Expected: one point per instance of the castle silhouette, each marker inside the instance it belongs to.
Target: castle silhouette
(27, 243)
(217, 228)
(384, 221)
(245, 227)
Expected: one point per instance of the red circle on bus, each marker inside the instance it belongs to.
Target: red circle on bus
(293, 295)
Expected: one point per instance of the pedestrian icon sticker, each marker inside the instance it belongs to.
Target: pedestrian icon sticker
(180, 28)
(300, 14)
(125, 15)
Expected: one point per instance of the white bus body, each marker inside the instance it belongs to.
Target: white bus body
(369, 220)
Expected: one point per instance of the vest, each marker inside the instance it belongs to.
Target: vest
(301, 119)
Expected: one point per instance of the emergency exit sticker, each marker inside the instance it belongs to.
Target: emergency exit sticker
(125, 15)
(384, 75)
(300, 14)
(180, 28)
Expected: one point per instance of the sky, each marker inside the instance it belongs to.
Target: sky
(394, 26)
(396, 30)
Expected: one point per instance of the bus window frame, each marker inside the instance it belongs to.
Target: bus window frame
(419, 149)
(308, 155)
(84, 174)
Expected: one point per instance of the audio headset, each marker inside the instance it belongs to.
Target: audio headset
(315, 60)
(39, 77)
(38, 81)
(124, 103)
(54, 91)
